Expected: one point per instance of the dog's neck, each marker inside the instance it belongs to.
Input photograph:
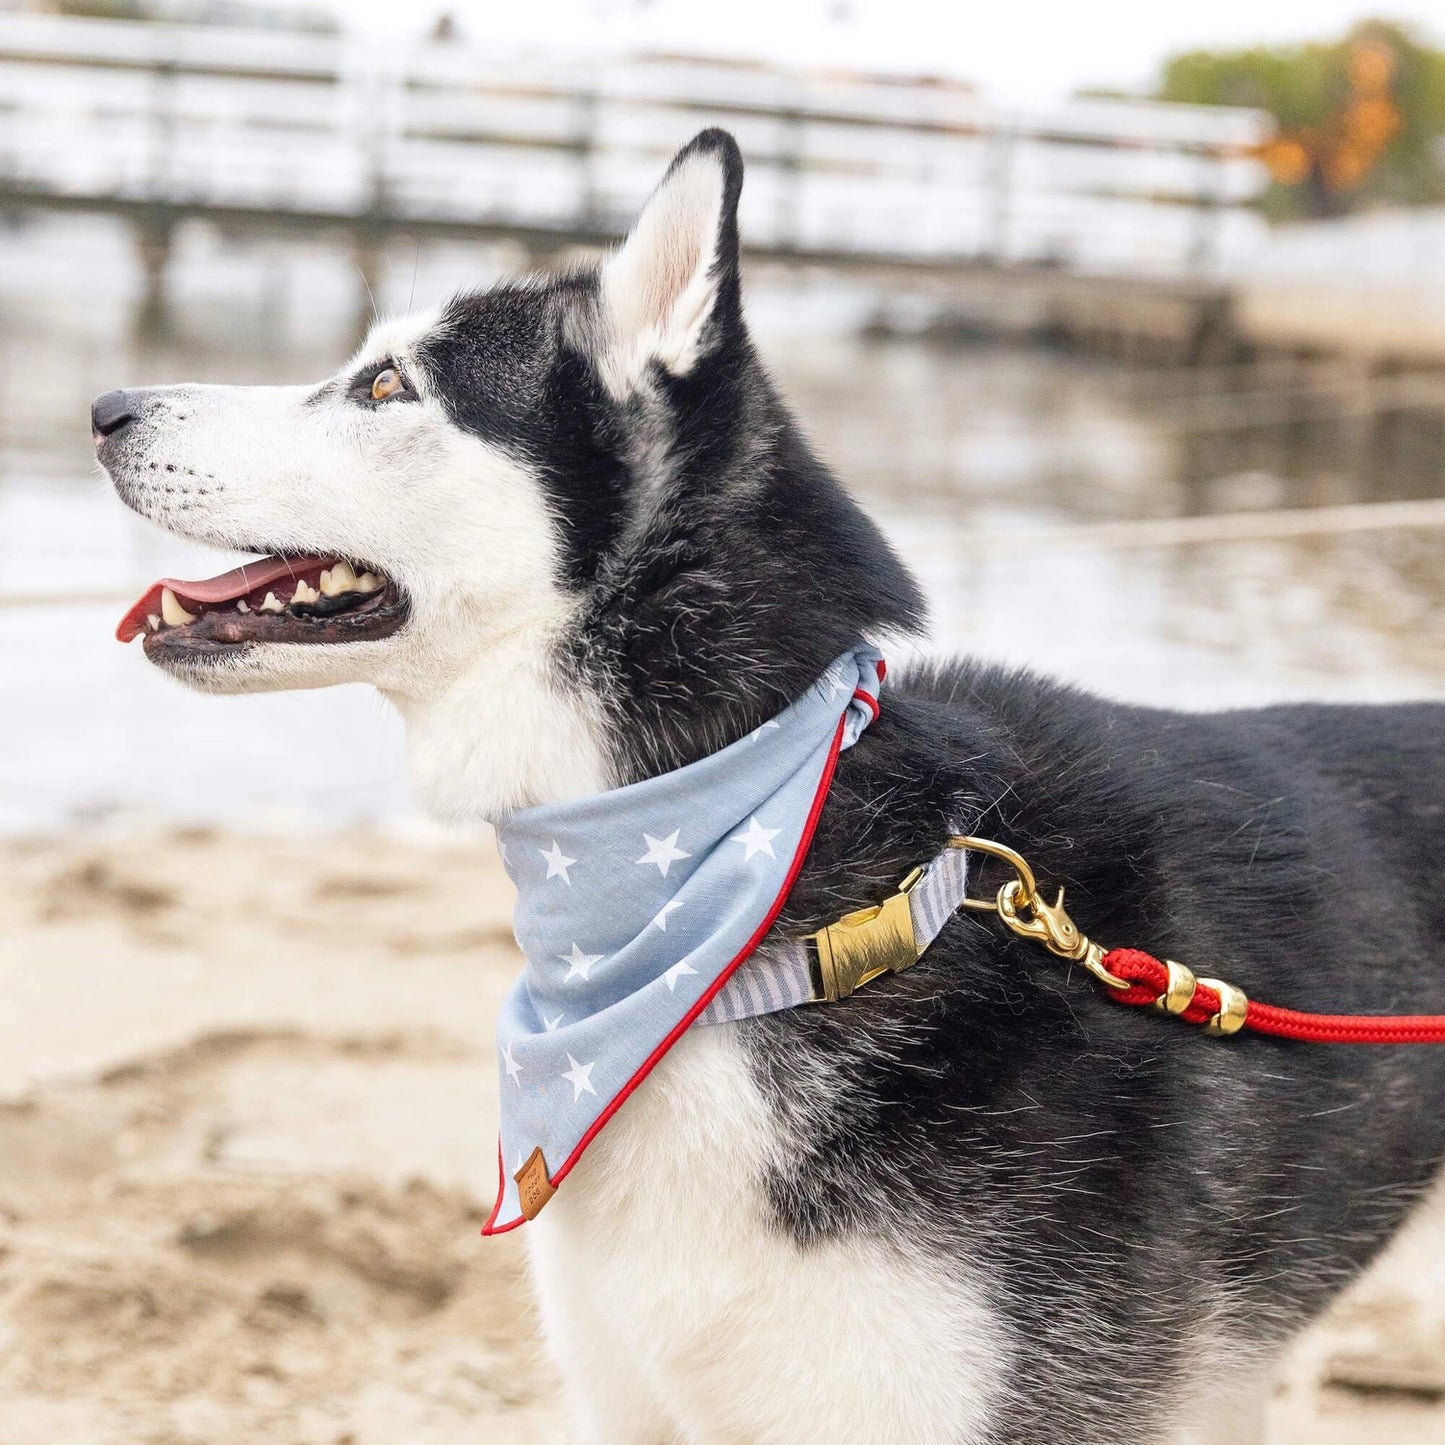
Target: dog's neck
(503, 735)
(717, 617)
(514, 731)
(551, 713)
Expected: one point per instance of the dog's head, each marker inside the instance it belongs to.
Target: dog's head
(591, 471)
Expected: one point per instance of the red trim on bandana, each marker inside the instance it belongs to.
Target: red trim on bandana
(648, 1064)
(860, 696)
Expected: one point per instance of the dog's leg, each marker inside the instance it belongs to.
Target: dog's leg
(671, 1297)
(609, 1400)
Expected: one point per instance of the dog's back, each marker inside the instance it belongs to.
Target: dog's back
(1386, 768)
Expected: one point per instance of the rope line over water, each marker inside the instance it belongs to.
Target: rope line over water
(1284, 524)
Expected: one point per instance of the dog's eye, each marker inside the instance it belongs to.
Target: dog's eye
(385, 383)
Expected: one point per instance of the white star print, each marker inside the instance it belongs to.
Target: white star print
(759, 731)
(661, 919)
(551, 1024)
(512, 1066)
(756, 839)
(580, 1077)
(580, 963)
(663, 851)
(520, 1160)
(835, 684)
(675, 973)
(557, 862)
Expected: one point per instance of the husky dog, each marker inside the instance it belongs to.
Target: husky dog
(571, 530)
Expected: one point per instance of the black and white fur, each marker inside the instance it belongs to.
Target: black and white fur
(978, 1202)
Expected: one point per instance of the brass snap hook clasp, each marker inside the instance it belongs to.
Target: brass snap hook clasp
(1020, 904)
(1050, 924)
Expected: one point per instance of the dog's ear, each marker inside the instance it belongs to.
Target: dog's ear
(673, 289)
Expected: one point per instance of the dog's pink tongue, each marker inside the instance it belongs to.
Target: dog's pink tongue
(240, 582)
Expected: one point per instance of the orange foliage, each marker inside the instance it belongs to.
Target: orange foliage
(1345, 149)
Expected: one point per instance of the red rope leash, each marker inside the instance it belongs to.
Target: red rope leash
(1149, 981)
(1134, 977)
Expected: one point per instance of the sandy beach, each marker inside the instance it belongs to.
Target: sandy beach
(246, 1124)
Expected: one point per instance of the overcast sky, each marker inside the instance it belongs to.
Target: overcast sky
(1015, 49)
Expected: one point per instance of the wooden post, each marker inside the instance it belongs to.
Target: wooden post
(1000, 179)
(588, 207)
(154, 243)
(155, 226)
(790, 182)
(369, 254)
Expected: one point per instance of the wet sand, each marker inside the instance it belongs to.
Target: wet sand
(246, 1133)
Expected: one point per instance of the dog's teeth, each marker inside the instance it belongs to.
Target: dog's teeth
(242, 605)
(304, 593)
(338, 579)
(155, 622)
(271, 604)
(369, 582)
(174, 614)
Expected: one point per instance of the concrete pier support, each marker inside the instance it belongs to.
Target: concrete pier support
(369, 255)
(154, 242)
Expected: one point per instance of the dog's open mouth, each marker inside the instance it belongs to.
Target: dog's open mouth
(273, 599)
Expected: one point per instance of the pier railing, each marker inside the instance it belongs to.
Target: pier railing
(284, 129)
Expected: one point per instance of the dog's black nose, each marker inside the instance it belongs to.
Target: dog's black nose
(112, 412)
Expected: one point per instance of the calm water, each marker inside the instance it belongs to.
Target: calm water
(976, 461)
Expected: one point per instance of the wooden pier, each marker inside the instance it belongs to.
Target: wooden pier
(1104, 216)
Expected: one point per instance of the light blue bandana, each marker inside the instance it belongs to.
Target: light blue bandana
(636, 906)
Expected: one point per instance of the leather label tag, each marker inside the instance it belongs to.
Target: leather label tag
(534, 1188)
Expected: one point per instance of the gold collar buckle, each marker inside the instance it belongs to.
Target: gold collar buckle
(863, 945)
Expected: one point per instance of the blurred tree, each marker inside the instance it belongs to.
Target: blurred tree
(1361, 121)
